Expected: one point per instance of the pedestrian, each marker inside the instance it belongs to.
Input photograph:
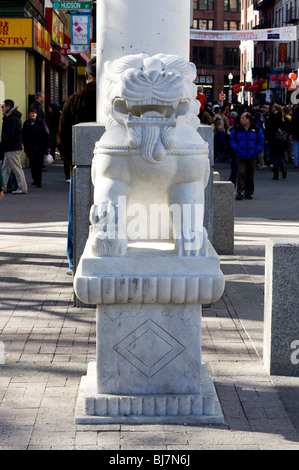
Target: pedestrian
(295, 135)
(201, 97)
(265, 110)
(231, 153)
(1, 184)
(36, 140)
(11, 145)
(53, 123)
(79, 107)
(289, 154)
(37, 104)
(225, 118)
(259, 122)
(278, 128)
(232, 116)
(217, 118)
(220, 144)
(247, 140)
(206, 117)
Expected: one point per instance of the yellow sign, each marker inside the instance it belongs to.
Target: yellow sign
(16, 32)
(57, 29)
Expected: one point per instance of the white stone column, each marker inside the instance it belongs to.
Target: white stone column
(139, 26)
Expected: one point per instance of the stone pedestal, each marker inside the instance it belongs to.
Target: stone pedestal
(281, 320)
(148, 367)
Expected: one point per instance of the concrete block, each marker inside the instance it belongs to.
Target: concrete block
(223, 217)
(85, 135)
(207, 133)
(281, 308)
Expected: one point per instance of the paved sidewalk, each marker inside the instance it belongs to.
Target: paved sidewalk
(48, 342)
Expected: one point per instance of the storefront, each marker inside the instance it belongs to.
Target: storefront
(24, 49)
(63, 71)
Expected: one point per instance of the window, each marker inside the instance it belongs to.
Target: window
(203, 5)
(203, 56)
(231, 25)
(203, 24)
(232, 5)
(231, 57)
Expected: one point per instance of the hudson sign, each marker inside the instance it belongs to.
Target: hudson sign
(72, 5)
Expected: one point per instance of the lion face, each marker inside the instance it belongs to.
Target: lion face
(148, 95)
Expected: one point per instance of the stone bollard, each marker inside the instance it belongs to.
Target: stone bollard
(281, 309)
(85, 136)
(223, 217)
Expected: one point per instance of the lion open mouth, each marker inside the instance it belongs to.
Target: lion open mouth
(149, 112)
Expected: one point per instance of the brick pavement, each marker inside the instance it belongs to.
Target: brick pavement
(48, 343)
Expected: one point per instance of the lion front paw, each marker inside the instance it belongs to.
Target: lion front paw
(107, 237)
(103, 244)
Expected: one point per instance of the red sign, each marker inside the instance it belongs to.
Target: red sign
(282, 52)
(222, 96)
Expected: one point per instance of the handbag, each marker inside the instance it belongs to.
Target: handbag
(281, 135)
(48, 159)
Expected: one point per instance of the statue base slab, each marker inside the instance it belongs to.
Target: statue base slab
(97, 408)
(148, 365)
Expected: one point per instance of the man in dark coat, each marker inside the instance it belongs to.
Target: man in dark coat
(11, 145)
(247, 141)
(37, 104)
(37, 142)
(79, 107)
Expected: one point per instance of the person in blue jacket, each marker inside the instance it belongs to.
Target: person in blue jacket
(247, 140)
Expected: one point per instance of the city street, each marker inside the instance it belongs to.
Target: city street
(48, 342)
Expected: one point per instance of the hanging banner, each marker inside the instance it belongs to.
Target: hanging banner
(42, 40)
(276, 34)
(282, 52)
(80, 39)
(57, 29)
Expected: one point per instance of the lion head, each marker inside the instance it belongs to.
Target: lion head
(151, 96)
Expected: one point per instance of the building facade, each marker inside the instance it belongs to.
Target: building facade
(36, 53)
(266, 59)
(24, 47)
(216, 60)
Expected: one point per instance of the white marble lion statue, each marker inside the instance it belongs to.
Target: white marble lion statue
(150, 156)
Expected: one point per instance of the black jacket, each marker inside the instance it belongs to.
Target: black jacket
(36, 138)
(11, 136)
(274, 122)
(79, 107)
(295, 124)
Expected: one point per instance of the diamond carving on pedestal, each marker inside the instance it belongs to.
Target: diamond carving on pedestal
(149, 348)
